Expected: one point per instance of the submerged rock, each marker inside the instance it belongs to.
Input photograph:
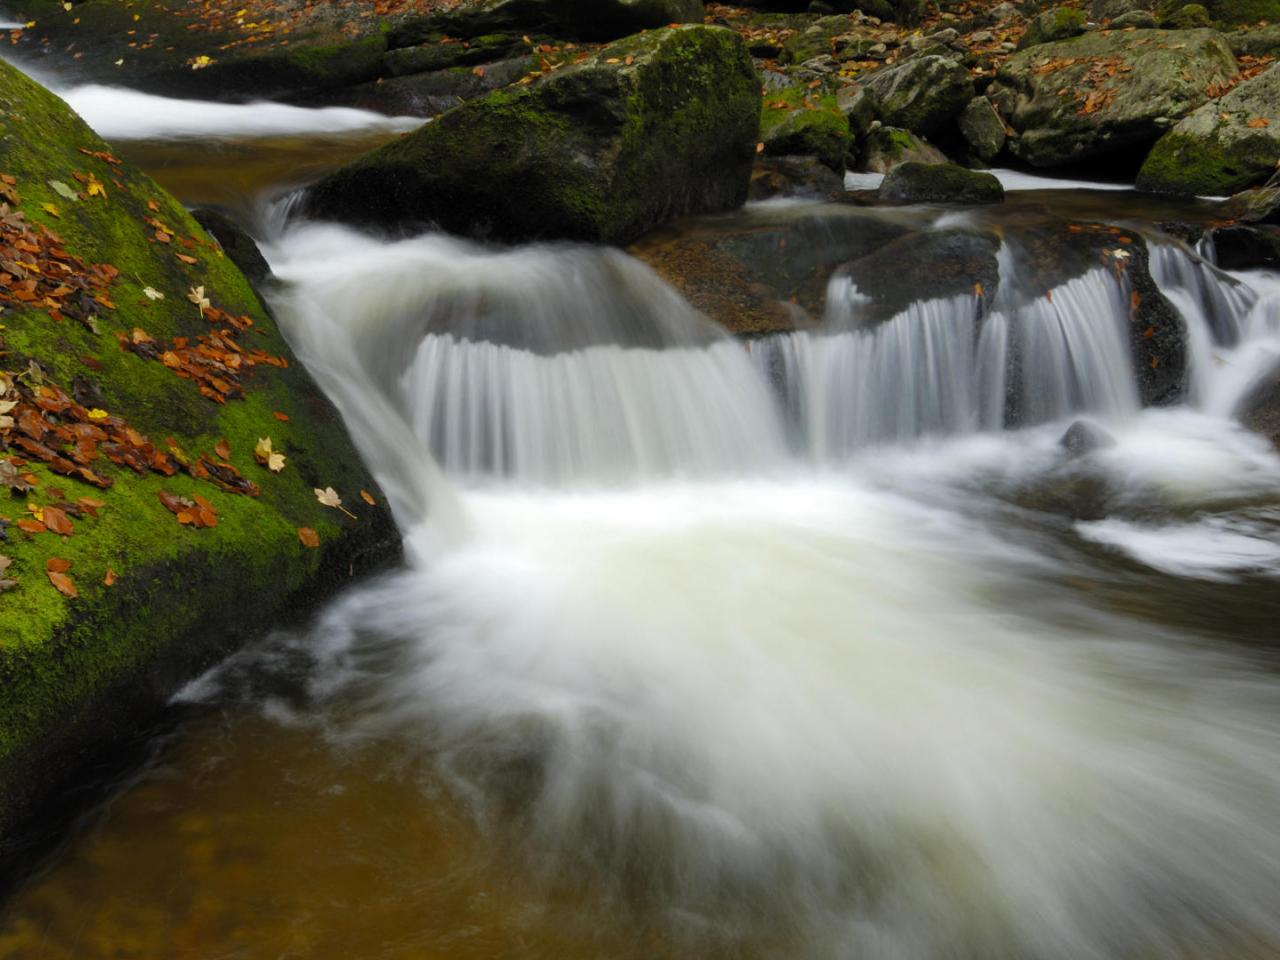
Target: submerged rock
(1102, 93)
(656, 125)
(1227, 145)
(939, 183)
(143, 378)
(1084, 437)
(1260, 409)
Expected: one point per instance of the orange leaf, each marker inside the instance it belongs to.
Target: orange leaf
(185, 259)
(308, 537)
(367, 497)
(63, 584)
(1257, 123)
(31, 526)
(58, 522)
(223, 449)
(110, 579)
(57, 565)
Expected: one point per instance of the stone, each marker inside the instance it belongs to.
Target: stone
(982, 129)
(1103, 93)
(78, 675)
(910, 183)
(1259, 411)
(802, 122)
(886, 147)
(805, 177)
(1188, 17)
(1084, 437)
(1255, 42)
(653, 126)
(1061, 23)
(581, 19)
(921, 94)
(1245, 247)
(1138, 19)
(1223, 147)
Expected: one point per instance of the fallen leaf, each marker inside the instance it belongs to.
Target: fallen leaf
(51, 210)
(223, 449)
(57, 521)
(275, 462)
(1257, 123)
(151, 293)
(367, 497)
(62, 190)
(329, 498)
(57, 565)
(282, 417)
(185, 259)
(196, 296)
(308, 537)
(63, 584)
(110, 579)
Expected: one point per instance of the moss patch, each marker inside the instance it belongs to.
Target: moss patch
(798, 121)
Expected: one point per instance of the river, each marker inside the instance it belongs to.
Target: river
(705, 648)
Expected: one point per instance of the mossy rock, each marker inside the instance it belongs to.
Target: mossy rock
(580, 19)
(939, 183)
(982, 129)
(1227, 145)
(797, 121)
(1105, 93)
(653, 126)
(1187, 16)
(922, 94)
(887, 147)
(1060, 23)
(1233, 12)
(76, 671)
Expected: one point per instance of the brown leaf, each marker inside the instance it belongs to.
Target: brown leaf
(1257, 123)
(27, 525)
(282, 417)
(110, 579)
(57, 521)
(308, 537)
(63, 584)
(57, 565)
(223, 449)
(367, 497)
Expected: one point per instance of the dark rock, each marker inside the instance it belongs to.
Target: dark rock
(1160, 77)
(1255, 41)
(1260, 409)
(239, 247)
(1084, 437)
(921, 94)
(579, 19)
(427, 94)
(1260, 205)
(1224, 146)
(982, 129)
(650, 127)
(1187, 17)
(806, 177)
(939, 183)
(1245, 247)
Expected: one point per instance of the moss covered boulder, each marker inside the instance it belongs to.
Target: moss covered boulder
(797, 121)
(1227, 145)
(1102, 93)
(939, 183)
(1060, 23)
(922, 94)
(887, 147)
(656, 125)
(141, 538)
(982, 129)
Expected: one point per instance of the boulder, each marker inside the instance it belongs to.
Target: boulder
(982, 129)
(1105, 92)
(805, 177)
(939, 183)
(1233, 12)
(922, 94)
(1260, 409)
(1225, 146)
(583, 19)
(1187, 17)
(886, 147)
(659, 124)
(1084, 437)
(797, 121)
(1242, 247)
(1138, 19)
(137, 384)
(1060, 23)
(1255, 41)
(1260, 205)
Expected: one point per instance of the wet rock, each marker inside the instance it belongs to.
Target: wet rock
(427, 94)
(798, 121)
(442, 56)
(1084, 437)
(1259, 411)
(1061, 23)
(921, 94)
(659, 124)
(806, 177)
(766, 269)
(982, 129)
(235, 242)
(1104, 93)
(910, 183)
(1259, 205)
(887, 147)
(1243, 247)
(1223, 147)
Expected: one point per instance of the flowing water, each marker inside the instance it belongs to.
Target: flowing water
(711, 649)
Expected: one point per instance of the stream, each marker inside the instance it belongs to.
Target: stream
(789, 648)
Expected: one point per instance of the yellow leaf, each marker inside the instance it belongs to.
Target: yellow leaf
(51, 210)
(275, 462)
(94, 188)
(97, 413)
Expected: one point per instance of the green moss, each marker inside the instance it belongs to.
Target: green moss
(61, 659)
(811, 124)
(1191, 166)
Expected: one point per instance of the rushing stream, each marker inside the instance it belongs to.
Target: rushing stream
(785, 649)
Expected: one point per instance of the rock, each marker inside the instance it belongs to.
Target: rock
(1223, 147)
(886, 147)
(579, 19)
(806, 177)
(1066, 105)
(1104, 10)
(1232, 12)
(921, 94)
(982, 129)
(1061, 23)
(861, 108)
(239, 247)
(1188, 17)
(656, 125)
(1138, 19)
(1260, 205)
(763, 270)
(1084, 437)
(427, 94)
(814, 41)
(1255, 42)
(1259, 411)
(1243, 247)
(429, 57)
(928, 265)
(78, 674)
(1002, 12)
(939, 183)
(802, 122)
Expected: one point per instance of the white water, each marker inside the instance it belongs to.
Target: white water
(832, 708)
(1011, 180)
